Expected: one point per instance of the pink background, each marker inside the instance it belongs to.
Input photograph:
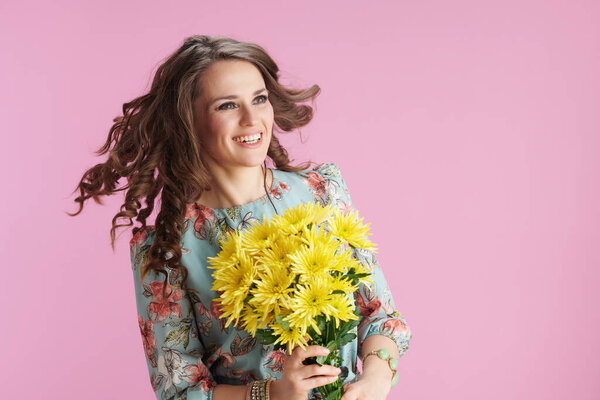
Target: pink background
(467, 132)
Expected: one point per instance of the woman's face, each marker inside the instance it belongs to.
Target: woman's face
(233, 104)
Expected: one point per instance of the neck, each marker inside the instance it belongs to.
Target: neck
(235, 186)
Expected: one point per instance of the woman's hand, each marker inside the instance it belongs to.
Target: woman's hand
(297, 379)
(367, 388)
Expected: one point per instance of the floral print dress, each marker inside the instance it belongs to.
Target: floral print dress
(188, 348)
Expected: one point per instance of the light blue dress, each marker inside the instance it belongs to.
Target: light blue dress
(188, 349)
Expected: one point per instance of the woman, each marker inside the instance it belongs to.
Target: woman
(200, 138)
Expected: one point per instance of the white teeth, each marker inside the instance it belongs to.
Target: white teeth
(248, 139)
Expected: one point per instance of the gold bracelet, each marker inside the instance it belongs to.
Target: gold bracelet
(263, 389)
(384, 354)
(268, 388)
(248, 387)
(258, 390)
(255, 390)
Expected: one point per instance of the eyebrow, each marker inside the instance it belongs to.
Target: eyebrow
(233, 96)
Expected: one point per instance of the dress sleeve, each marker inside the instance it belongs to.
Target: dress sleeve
(377, 308)
(169, 332)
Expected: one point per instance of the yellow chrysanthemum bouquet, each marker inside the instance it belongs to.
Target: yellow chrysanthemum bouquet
(290, 280)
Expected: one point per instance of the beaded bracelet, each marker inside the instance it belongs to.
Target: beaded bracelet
(384, 354)
(259, 390)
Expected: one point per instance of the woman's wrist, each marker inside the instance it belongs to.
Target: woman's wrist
(259, 390)
(380, 359)
(377, 369)
(274, 390)
(229, 392)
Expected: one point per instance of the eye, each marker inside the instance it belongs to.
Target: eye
(226, 106)
(262, 99)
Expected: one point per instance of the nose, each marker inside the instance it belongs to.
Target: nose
(249, 116)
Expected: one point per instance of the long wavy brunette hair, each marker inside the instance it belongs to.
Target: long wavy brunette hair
(154, 146)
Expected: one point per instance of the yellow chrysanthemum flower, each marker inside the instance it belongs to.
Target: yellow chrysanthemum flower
(317, 236)
(311, 300)
(273, 289)
(231, 248)
(231, 308)
(250, 319)
(291, 336)
(343, 309)
(312, 263)
(287, 271)
(341, 262)
(278, 254)
(258, 237)
(342, 284)
(294, 220)
(225, 276)
(319, 213)
(235, 283)
(360, 268)
(350, 229)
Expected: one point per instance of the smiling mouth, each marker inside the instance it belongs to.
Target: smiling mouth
(251, 139)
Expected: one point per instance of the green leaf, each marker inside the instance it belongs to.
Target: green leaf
(336, 394)
(349, 325)
(266, 336)
(185, 321)
(321, 323)
(178, 336)
(332, 346)
(347, 338)
(321, 360)
(280, 320)
(281, 347)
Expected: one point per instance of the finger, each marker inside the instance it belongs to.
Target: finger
(297, 345)
(311, 370)
(317, 381)
(310, 351)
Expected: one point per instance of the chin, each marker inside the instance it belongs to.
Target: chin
(252, 162)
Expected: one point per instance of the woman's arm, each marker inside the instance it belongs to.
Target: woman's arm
(374, 367)
(229, 392)
(381, 326)
(375, 382)
(170, 336)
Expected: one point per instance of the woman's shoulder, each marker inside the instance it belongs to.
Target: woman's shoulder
(329, 170)
(326, 185)
(326, 169)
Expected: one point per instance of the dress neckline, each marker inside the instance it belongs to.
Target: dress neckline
(262, 198)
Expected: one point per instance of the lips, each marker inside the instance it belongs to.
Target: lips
(255, 138)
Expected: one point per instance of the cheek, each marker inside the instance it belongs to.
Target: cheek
(218, 127)
(269, 114)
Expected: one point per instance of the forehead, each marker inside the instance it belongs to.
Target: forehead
(230, 77)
